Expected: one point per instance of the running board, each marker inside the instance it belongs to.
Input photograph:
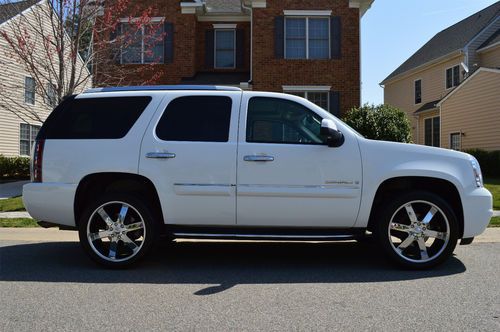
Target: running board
(267, 233)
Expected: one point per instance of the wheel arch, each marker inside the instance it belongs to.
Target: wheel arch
(108, 182)
(392, 186)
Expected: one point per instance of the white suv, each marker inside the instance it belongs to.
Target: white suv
(124, 166)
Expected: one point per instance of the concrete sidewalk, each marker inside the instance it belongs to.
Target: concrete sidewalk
(491, 235)
(11, 189)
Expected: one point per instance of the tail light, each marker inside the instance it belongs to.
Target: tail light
(37, 160)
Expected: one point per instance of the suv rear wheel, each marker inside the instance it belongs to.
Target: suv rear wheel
(116, 230)
(417, 230)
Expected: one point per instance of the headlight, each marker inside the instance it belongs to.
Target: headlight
(476, 171)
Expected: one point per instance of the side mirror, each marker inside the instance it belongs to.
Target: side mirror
(333, 136)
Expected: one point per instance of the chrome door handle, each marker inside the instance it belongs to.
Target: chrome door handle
(258, 158)
(160, 155)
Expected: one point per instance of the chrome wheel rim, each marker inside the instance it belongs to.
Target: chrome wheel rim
(116, 231)
(419, 231)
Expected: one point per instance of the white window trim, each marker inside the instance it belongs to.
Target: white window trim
(310, 88)
(414, 95)
(153, 20)
(234, 48)
(304, 88)
(459, 133)
(30, 140)
(135, 19)
(224, 26)
(432, 128)
(25, 90)
(452, 78)
(307, 37)
(307, 12)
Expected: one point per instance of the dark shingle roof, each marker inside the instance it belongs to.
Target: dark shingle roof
(10, 9)
(450, 39)
(495, 38)
(427, 106)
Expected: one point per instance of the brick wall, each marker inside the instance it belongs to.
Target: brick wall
(270, 74)
(185, 46)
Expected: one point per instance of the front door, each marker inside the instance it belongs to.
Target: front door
(189, 152)
(287, 175)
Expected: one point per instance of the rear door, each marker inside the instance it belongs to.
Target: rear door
(189, 152)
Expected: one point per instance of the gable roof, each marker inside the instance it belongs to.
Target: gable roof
(450, 39)
(467, 80)
(495, 38)
(11, 9)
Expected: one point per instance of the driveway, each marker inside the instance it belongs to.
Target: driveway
(222, 286)
(11, 189)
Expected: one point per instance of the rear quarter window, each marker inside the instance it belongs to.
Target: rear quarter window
(95, 118)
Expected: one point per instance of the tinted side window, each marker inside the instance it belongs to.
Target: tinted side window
(95, 118)
(196, 118)
(274, 120)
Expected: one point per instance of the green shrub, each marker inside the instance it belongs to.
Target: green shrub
(14, 167)
(382, 122)
(488, 160)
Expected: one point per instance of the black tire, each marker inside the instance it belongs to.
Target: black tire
(443, 226)
(125, 242)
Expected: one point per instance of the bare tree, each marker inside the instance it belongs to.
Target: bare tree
(62, 43)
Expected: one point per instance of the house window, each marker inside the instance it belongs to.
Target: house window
(307, 38)
(432, 131)
(225, 41)
(456, 141)
(143, 45)
(320, 98)
(27, 136)
(29, 90)
(51, 95)
(418, 91)
(452, 77)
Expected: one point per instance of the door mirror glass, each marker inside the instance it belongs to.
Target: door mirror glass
(333, 136)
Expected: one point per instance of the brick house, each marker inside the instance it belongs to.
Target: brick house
(308, 48)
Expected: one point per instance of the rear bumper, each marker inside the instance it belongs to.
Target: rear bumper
(478, 210)
(50, 202)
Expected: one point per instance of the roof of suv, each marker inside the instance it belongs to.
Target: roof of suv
(164, 88)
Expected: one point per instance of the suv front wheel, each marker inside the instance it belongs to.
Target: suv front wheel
(116, 230)
(417, 230)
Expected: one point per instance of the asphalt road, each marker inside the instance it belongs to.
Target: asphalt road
(246, 286)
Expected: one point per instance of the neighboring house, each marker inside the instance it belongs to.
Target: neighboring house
(308, 48)
(450, 88)
(22, 107)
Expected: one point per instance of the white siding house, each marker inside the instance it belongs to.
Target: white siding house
(22, 107)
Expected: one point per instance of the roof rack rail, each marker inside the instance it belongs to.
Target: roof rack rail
(163, 88)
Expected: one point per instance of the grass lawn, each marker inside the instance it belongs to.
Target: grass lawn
(18, 222)
(495, 222)
(12, 204)
(493, 185)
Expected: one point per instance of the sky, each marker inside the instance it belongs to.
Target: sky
(392, 30)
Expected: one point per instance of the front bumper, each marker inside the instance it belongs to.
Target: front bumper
(50, 202)
(478, 210)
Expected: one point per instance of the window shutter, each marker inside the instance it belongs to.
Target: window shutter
(169, 42)
(115, 54)
(209, 48)
(240, 42)
(279, 37)
(335, 103)
(335, 37)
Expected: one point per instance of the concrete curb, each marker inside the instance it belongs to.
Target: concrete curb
(491, 235)
(16, 214)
